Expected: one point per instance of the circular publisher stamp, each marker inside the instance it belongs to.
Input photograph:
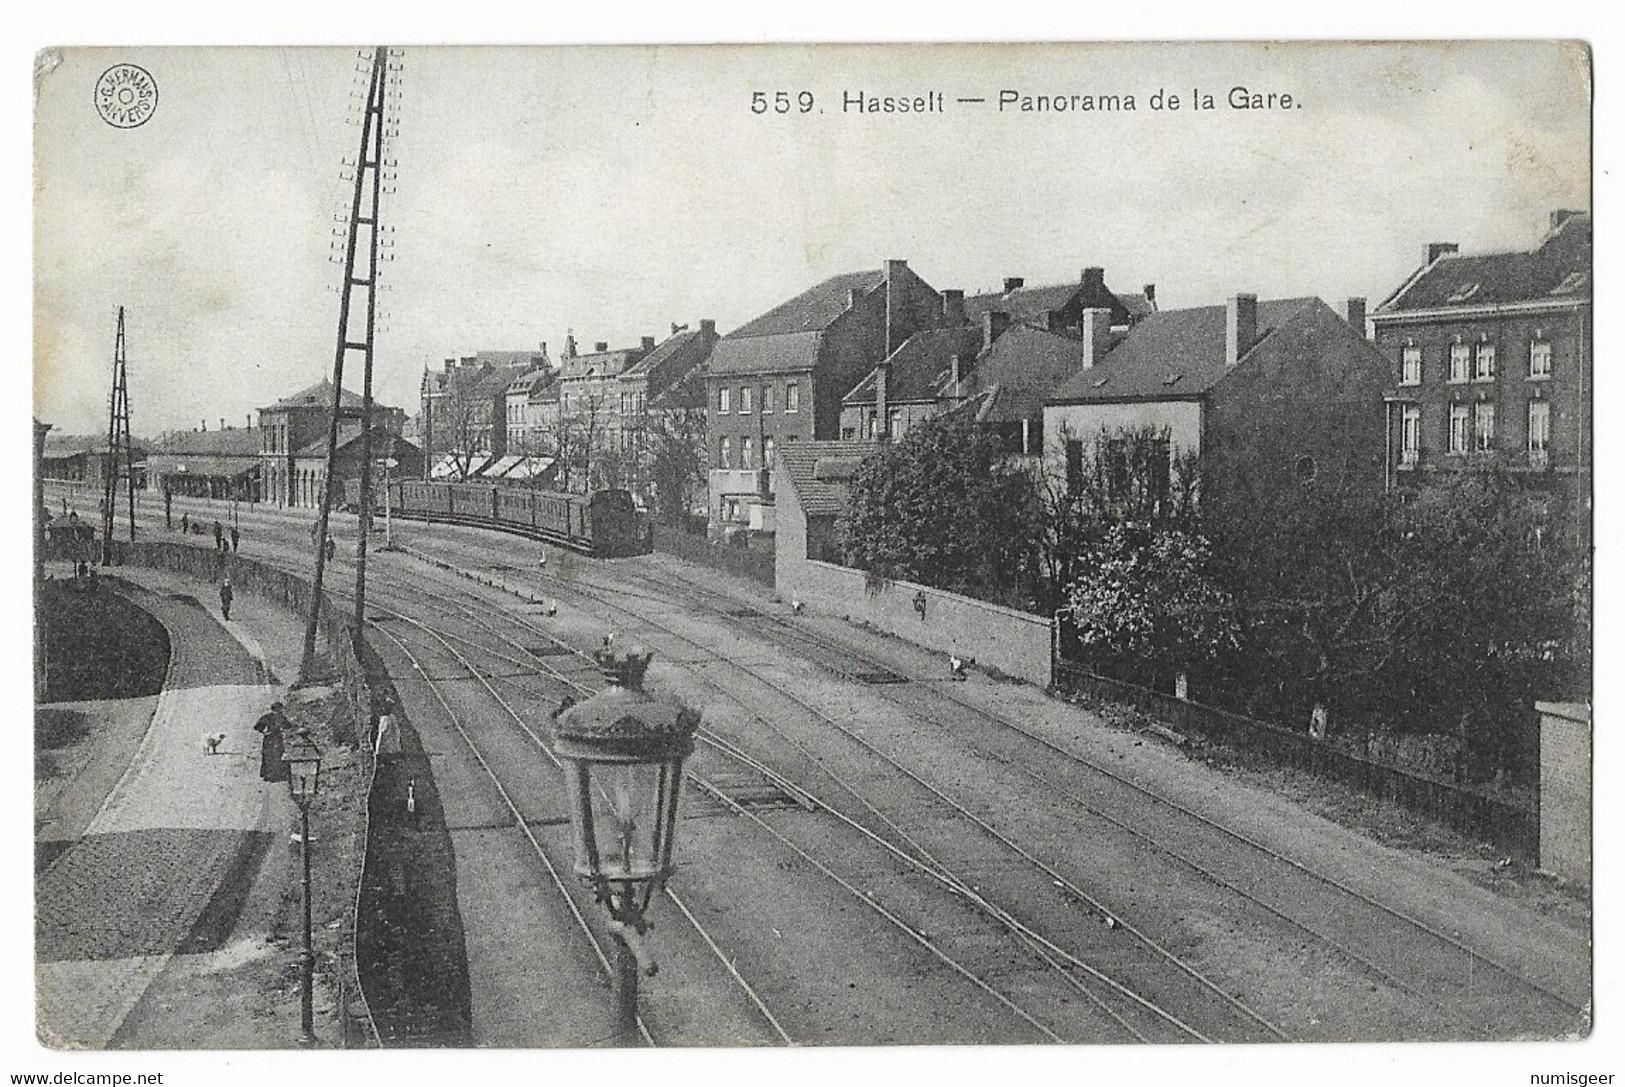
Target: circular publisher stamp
(126, 96)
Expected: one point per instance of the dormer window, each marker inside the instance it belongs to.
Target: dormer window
(1573, 283)
(1464, 292)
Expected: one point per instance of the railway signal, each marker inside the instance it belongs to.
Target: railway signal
(623, 753)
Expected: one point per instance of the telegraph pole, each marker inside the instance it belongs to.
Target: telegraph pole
(363, 215)
(118, 435)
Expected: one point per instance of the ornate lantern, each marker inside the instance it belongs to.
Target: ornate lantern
(623, 755)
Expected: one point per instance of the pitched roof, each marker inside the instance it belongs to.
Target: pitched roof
(687, 394)
(1558, 268)
(1032, 305)
(1172, 354)
(814, 309)
(820, 470)
(231, 442)
(920, 368)
(675, 358)
(532, 381)
(764, 354)
(319, 395)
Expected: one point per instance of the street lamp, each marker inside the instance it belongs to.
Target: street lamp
(623, 755)
(389, 539)
(304, 761)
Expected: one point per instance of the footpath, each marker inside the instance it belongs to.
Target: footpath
(154, 901)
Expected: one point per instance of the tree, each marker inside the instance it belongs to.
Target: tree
(1148, 595)
(676, 442)
(945, 507)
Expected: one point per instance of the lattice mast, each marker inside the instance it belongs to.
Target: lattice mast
(119, 447)
(363, 231)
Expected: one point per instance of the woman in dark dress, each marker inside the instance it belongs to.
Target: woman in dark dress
(272, 725)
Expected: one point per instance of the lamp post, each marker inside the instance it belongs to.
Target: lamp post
(623, 755)
(304, 761)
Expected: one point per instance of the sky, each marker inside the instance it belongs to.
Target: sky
(610, 192)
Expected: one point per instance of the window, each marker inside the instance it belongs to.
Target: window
(1484, 362)
(1540, 425)
(1410, 434)
(792, 397)
(1410, 366)
(767, 452)
(725, 453)
(1074, 467)
(722, 400)
(1540, 359)
(1460, 356)
(745, 453)
(744, 400)
(1483, 427)
(767, 400)
(626, 404)
(1458, 428)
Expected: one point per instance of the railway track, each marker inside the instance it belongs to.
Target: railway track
(1476, 995)
(1336, 916)
(1136, 1016)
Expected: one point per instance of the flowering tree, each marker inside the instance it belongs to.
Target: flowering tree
(1148, 594)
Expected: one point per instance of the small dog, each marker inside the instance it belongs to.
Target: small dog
(211, 744)
(956, 667)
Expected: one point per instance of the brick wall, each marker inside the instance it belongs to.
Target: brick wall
(1014, 642)
(1565, 790)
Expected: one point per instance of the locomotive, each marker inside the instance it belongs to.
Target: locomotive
(603, 524)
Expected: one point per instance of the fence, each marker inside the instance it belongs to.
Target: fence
(351, 676)
(1511, 826)
(756, 565)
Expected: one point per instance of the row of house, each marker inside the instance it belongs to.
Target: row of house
(583, 421)
(1473, 360)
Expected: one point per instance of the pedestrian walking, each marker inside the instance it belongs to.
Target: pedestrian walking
(186, 524)
(271, 726)
(234, 539)
(332, 547)
(388, 738)
(225, 599)
(219, 536)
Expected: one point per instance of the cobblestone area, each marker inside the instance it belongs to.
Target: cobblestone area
(159, 862)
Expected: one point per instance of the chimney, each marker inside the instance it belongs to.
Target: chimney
(1240, 326)
(600, 347)
(222, 422)
(648, 343)
(953, 308)
(1151, 294)
(1096, 326)
(896, 333)
(1558, 218)
(451, 364)
(994, 322)
(1439, 249)
(1356, 315)
(956, 374)
(883, 401)
(248, 422)
(708, 327)
(853, 297)
(1094, 277)
(203, 425)
(1013, 283)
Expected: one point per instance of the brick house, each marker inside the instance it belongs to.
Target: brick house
(781, 377)
(1272, 395)
(295, 422)
(642, 386)
(464, 409)
(998, 356)
(1490, 363)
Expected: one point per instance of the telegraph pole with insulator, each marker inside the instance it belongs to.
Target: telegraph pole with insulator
(362, 238)
(119, 446)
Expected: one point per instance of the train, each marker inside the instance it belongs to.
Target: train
(603, 524)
